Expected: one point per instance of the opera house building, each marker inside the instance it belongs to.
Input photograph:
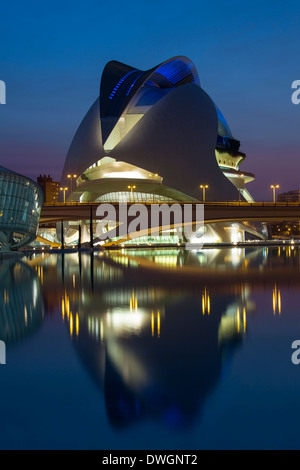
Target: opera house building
(156, 136)
(21, 202)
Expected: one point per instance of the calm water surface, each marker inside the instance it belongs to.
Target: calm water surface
(153, 349)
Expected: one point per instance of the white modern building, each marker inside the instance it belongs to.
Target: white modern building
(156, 136)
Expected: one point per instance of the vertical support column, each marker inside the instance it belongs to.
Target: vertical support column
(91, 229)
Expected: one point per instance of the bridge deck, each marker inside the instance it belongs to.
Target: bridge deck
(214, 211)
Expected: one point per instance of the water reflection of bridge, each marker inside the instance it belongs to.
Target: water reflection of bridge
(224, 269)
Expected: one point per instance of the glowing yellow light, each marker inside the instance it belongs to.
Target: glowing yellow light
(275, 299)
(206, 302)
(245, 320)
(158, 324)
(238, 320)
(63, 308)
(133, 302)
(71, 325)
(152, 324)
(77, 325)
(68, 307)
(277, 304)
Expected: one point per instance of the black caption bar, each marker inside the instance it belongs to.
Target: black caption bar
(151, 458)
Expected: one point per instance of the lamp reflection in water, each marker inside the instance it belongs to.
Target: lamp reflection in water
(205, 302)
(276, 301)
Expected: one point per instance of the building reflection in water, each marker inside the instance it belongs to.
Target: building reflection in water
(220, 259)
(156, 349)
(21, 306)
(160, 361)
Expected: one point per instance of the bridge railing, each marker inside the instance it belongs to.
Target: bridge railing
(216, 203)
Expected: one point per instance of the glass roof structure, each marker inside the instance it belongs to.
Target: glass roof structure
(21, 202)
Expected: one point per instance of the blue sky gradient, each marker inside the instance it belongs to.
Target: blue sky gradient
(246, 53)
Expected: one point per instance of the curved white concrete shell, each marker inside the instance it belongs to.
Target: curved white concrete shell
(161, 121)
(155, 136)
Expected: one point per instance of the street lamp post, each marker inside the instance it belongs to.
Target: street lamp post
(71, 178)
(64, 190)
(131, 189)
(204, 188)
(274, 187)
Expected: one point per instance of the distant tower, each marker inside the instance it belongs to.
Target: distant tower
(50, 189)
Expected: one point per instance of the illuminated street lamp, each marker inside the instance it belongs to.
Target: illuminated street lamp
(204, 188)
(64, 190)
(71, 178)
(274, 187)
(131, 189)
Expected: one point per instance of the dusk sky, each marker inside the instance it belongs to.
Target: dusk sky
(246, 53)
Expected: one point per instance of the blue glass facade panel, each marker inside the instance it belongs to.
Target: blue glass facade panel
(20, 207)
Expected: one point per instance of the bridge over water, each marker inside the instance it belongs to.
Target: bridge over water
(214, 211)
